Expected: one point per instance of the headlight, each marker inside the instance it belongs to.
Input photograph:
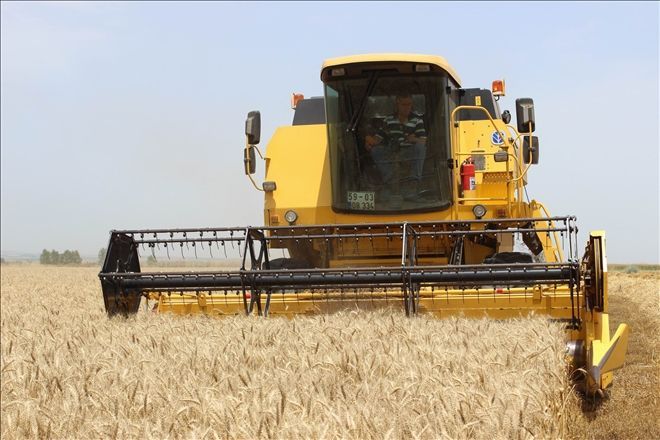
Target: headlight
(269, 186)
(291, 216)
(479, 211)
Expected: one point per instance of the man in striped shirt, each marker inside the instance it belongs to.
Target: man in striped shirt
(401, 140)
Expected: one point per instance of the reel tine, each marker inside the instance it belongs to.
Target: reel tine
(167, 249)
(141, 242)
(371, 240)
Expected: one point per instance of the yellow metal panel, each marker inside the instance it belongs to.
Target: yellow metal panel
(475, 138)
(499, 303)
(298, 164)
(475, 253)
(551, 243)
(607, 354)
(402, 57)
(604, 354)
(495, 177)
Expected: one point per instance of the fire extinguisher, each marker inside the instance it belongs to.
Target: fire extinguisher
(468, 180)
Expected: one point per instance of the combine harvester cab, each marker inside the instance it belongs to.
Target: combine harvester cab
(398, 188)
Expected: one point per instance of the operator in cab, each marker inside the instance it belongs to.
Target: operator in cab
(398, 147)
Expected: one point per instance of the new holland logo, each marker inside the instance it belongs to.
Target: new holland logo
(497, 138)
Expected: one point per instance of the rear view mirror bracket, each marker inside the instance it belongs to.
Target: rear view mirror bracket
(525, 115)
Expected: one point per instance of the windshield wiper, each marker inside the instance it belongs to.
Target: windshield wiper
(355, 119)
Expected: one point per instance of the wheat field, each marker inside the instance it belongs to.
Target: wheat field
(67, 371)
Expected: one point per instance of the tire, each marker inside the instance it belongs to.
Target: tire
(509, 257)
(287, 263)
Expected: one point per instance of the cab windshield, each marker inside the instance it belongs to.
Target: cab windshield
(388, 138)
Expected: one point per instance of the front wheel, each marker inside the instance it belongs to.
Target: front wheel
(287, 263)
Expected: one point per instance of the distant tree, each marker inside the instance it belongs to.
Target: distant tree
(70, 257)
(102, 253)
(54, 257)
(151, 259)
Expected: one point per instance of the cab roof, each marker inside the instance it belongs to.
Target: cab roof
(401, 57)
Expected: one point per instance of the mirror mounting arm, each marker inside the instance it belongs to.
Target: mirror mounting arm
(255, 184)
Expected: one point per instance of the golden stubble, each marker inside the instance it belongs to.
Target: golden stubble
(70, 372)
(632, 409)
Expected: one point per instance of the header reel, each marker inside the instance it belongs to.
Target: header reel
(392, 269)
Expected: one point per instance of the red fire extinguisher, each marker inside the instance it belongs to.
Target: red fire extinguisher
(468, 181)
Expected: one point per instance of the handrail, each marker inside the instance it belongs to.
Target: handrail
(518, 155)
(454, 147)
(517, 151)
(559, 251)
(515, 179)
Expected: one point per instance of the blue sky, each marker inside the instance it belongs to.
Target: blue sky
(125, 115)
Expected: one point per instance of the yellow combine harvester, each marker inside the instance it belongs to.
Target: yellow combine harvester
(398, 187)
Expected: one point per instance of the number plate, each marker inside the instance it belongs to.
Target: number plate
(364, 201)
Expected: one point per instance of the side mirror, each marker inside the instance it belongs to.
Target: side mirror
(249, 160)
(525, 115)
(506, 116)
(531, 153)
(253, 128)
